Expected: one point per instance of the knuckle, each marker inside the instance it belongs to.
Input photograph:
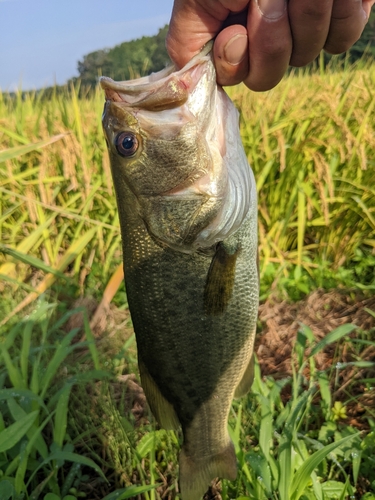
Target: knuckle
(316, 11)
(229, 75)
(300, 60)
(274, 49)
(341, 39)
(338, 47)
(346, 10)
(234, 5)
(262, 84)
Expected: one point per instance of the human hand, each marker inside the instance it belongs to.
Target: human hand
(256, 40)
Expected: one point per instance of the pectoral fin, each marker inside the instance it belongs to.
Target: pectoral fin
(220, 279)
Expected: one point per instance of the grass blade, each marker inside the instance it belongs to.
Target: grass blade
(69, 457)
(13, 372)
(31, 261)
(72, 253)
(91, 341)
(6, 394)
(130, 492)
(15, 432)
(61, 352)
(18, 413)
(303, 474)
(9, 154)
(61, 417)
(333, 336)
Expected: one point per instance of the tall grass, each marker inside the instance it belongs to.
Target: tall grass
(56, 196)
(310, 143)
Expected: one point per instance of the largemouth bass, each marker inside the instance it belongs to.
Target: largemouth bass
(188, 212)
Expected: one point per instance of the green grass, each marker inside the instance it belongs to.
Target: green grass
(66, 430)
(290, 453)
(310, 143)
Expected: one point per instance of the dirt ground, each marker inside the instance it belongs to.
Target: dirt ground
(279, 322)
(322, 312)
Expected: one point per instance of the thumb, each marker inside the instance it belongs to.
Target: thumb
(190, 28)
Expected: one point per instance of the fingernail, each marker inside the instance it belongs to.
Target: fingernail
(235, 50)
(271, 9)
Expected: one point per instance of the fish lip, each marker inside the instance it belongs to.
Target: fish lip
(185, 192)
(156, 80)
(186, 187)
(108, 83)
(190, 188)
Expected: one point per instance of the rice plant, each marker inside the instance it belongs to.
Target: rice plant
(310, 143)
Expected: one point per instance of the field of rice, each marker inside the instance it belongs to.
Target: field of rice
(73, 421)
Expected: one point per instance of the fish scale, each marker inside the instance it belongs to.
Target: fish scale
(173, 331)
(188, 214)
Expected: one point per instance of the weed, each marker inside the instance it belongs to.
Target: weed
(310, 143)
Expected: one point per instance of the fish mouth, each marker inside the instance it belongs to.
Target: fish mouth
(202, 185)
(166, 89)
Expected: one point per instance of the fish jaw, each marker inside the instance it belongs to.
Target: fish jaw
(168, 113)
(176, 175)
(166, 89)
(191, 189)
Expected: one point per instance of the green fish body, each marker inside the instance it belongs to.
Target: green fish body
(188, 213)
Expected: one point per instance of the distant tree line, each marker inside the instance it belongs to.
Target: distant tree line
(148, 54)
(126, 61)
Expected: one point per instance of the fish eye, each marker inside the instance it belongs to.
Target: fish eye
(126, 144)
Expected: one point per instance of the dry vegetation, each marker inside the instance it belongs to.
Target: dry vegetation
(310, 142)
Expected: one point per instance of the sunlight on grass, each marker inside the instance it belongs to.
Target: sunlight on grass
(66, 426)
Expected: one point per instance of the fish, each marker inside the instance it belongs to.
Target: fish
(187, 204)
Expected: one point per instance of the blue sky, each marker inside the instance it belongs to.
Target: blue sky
(42, 40)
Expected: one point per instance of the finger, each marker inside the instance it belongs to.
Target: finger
(310, 24)
(191, 27)
(195, 22)
(270, 43)
(234, 5)
(367, 4)
(231, 56)
(347, 23)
